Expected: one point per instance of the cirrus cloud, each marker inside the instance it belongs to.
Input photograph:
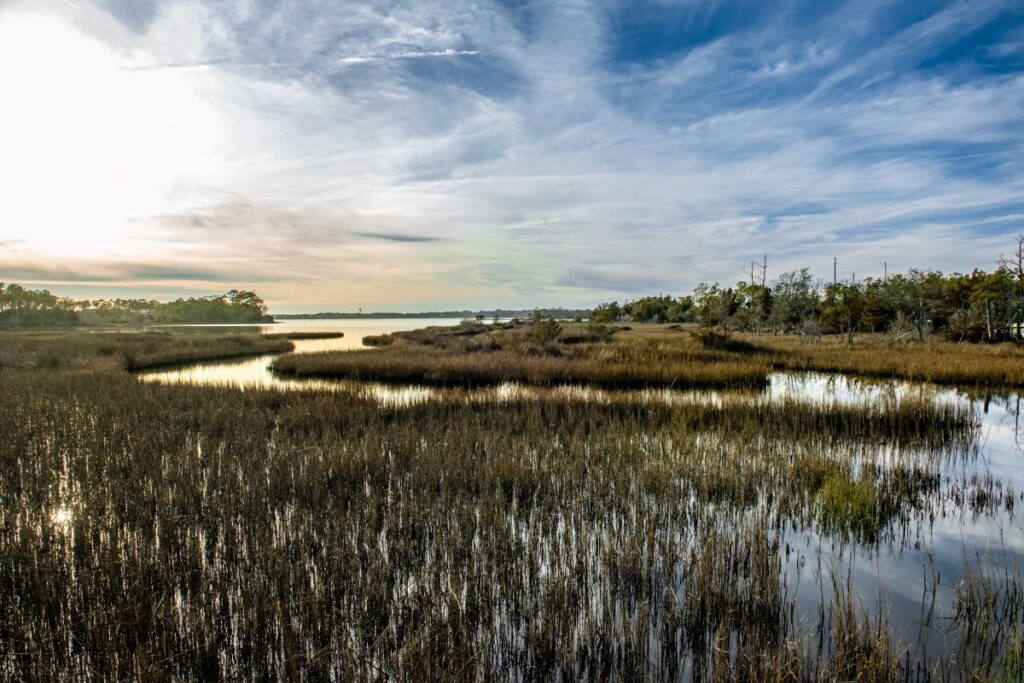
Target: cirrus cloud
(485, 153)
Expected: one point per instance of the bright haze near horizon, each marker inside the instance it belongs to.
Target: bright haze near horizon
(416, 154)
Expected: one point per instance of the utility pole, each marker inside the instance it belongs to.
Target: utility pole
(835, 280)
(885, 272)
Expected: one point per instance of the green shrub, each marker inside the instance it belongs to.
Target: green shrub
(544, 328)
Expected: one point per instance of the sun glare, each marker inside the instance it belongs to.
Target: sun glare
(61, 516)
(92, 139)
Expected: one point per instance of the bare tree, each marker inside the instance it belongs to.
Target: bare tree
(758, 271)
(1015, 265)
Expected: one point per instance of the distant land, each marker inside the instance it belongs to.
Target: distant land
(21, 307)
(561, 313)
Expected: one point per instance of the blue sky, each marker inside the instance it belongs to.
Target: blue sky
(417, 155)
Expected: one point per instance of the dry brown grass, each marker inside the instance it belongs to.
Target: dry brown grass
(428, 367)
(92, 352)
(651, 356)
(450, 357)
(936, 361)
(163, 532)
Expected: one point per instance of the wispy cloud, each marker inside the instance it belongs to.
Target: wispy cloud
(415, 54)
(492, 153)
(397, 237)
(100, 272)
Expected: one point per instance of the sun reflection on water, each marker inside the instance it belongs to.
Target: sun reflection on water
(62, 516)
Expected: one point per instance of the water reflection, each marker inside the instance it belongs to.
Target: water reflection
(1000, 424)
(353, 329)
(254, 373)
(61, 517)
(921, 560)
(1001, 414)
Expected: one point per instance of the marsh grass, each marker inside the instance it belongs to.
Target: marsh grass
(433, 368)
(989, 612)
(295, 336)
(94, 352)
(938, 362)
(193, 351)
(649, 356)
(176, 532)
(862, 648)
(487, 356)
(1014, 670)
(850, 505)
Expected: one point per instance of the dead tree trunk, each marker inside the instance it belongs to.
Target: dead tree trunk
(988, 318)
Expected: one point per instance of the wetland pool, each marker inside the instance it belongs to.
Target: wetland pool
(910, 574)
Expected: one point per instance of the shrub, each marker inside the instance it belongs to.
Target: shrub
(544, 328)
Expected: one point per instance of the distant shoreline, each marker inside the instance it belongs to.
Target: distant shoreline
(456, 315)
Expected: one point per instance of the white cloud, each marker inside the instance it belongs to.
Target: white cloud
(290, 144)
(447, 52)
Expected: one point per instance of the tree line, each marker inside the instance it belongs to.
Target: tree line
(21, 307)
(979, 306)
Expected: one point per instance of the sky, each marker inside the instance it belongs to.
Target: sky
(425, 154)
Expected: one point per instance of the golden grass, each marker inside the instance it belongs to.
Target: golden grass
(453, 357)
(440, 368)
(304, 335)
(940, 362)
(651, 356)
(89, 352)
(195, 533)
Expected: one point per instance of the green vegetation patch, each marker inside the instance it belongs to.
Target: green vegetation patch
(849, 505)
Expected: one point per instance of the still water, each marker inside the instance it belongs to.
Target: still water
(924, 563)
(254, 373)
(1001, 452)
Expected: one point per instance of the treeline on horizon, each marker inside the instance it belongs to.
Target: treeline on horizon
(21, 307)
(979, 306)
